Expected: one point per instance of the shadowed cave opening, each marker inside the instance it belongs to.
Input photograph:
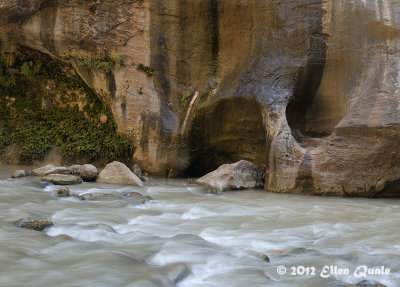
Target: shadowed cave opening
(227, 131)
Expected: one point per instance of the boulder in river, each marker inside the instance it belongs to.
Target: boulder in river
(41, 171)
(38, 224)
(20, 173)
(119, 173)
(240, 175)
(62, 179)
(88, 172)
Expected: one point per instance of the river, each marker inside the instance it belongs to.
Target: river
(188, 237)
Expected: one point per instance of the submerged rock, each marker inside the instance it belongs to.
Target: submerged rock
(41, 171)
(20, 173)
(88, 172)
(117, 172)
(370, 283)
(38, 224)
(62, 179)
(133, 197)
(240, 175)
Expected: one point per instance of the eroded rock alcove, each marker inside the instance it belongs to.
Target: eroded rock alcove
(227, 131)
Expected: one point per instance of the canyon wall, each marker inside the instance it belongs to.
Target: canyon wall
(307, 89)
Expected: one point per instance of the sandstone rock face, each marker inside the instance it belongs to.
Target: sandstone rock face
(62, 179)
(240, 175)
(88, 172)
(117, 172)
(309, 88)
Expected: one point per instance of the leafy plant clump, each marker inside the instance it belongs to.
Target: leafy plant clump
(23, 121)
(185, 98)
(101, 63)
(146, 69)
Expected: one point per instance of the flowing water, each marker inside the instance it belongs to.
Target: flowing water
(188, 237)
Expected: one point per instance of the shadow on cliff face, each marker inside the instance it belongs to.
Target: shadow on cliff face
(225, 132)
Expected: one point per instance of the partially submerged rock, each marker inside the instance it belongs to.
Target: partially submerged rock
(62, 179)
(62, 192)
(41, 171)
(38, 224)
(88, 172)
(119, 173)
(240, 175)
(20, 173)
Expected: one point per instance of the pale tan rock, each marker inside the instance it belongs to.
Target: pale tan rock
(119, 173)
(43, 170)
(239, 175)
(57, 170)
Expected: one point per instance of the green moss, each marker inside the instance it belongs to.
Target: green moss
(35, 130)
(185, 98)
(101, 63)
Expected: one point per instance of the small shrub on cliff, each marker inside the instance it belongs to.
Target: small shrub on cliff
(148, 70)
(185, 98)
(101, 63)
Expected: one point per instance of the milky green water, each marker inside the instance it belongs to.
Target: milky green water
(187, 237)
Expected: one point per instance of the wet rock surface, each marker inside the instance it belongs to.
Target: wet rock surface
(62, 192)
(38, 224)
(132, 197)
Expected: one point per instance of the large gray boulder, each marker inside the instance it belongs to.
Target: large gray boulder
(117, 172)
(62, 179)
(88, 172)
(240, 175)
